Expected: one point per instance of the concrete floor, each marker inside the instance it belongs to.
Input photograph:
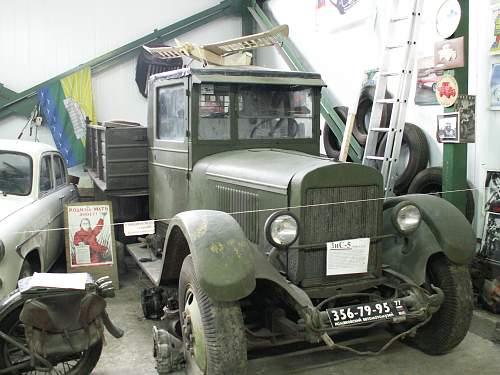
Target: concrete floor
(132, 354)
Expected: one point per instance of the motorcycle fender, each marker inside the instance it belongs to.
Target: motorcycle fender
(222, 256)
(443, 229)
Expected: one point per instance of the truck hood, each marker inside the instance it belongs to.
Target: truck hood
(11, 204)
(268, 169)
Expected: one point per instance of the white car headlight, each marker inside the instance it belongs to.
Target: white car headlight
(406, 217)
(282, 229)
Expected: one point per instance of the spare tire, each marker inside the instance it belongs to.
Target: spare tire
(147, 65)
(331, 143)
(362, 121)
(413, 157)
(430, 181)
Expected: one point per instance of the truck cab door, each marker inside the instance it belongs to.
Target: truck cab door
(169, 148)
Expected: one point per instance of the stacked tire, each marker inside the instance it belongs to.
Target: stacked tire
(430, 181)
(414, 141)
(413, 157)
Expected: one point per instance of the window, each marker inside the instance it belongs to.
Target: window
(15, 173)
(274, 112)
(59, 171)
(214, 122)
(46, 174)
(170, 124)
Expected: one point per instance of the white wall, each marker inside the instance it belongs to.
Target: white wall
(342, 55)
(487, 151)
(42, 38)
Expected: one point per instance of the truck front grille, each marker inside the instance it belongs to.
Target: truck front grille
(356, 212)
(243, 206)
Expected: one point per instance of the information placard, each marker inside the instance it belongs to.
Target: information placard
(347, 256)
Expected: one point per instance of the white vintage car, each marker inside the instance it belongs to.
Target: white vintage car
(33, 190)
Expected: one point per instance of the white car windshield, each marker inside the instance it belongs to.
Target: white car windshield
(15, 173)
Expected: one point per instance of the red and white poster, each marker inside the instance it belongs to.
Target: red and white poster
(90, 235)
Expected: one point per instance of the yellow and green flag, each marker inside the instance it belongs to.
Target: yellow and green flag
(65, 105)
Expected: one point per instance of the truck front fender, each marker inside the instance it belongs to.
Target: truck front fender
(444, 229)
(222, 256)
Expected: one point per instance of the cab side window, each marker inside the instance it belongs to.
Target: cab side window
(46, 174)
(170, 124)
(59, 171)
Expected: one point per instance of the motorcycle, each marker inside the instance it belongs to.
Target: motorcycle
(55, 330)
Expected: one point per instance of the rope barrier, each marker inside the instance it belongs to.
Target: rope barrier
(257, 211)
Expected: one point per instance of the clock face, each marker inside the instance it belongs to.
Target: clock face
(448, 18)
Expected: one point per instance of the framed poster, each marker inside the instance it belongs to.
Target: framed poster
(466, 107)
(447, 127)
(90, 239)
(495, 16)
(490, 244)
(427, 77)
(495, 87)
(449, 53)
(492, 196)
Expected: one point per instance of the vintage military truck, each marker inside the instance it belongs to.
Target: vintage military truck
(268, 243)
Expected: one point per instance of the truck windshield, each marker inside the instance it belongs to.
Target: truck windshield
(274, 112)
(15, 173)
(262, 111)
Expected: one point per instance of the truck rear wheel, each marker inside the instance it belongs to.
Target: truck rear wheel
(213, 332)
(449, 325)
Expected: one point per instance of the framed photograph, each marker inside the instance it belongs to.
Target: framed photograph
(466, 107)
(495, 87)
(90, 239)
(447, 127)
(492, 196)
(490, 244)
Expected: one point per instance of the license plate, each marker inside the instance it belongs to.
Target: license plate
(366, 313)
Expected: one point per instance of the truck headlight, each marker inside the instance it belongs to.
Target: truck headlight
(282, 229)
(2, 250)
(406, 217)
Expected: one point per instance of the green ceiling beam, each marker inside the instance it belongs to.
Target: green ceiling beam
(296, 61)
(22, 103)
(455, 155)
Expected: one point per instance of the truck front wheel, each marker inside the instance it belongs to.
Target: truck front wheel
(213, 332)
(449, 325)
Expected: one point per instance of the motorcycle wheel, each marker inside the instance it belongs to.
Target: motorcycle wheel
(81, 363)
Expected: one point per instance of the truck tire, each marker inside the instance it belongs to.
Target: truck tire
(415, 144)
(213, 332)
(362, 121)
(430, 181)
(449, 325)
(330, 142)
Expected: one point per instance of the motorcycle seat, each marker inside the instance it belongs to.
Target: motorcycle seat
(60, 313)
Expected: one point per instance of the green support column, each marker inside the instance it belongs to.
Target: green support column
(247, 23)
(455, 155)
